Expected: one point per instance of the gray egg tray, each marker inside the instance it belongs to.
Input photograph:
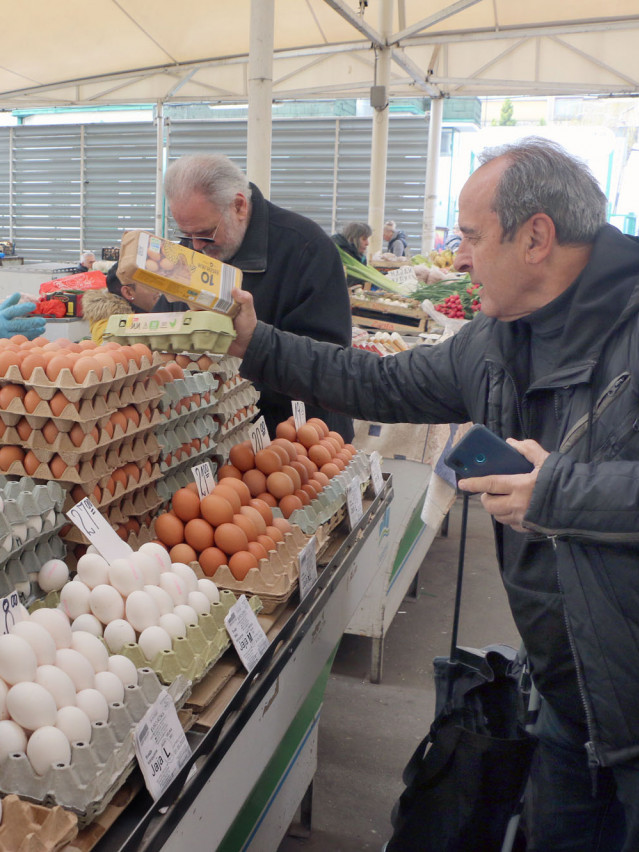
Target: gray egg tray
(197, 331)
(97, 769)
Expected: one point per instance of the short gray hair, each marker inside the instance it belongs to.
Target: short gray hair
(543, 177)
(212, 175)
(354, 231)
(389, 223)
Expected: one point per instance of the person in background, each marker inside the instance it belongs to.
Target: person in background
(396, 239)
(453, 239)
(87, 259)
(14, 319)
(551, 364)
(289, 264)
(354, 239)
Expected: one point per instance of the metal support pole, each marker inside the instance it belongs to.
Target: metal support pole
(260, 94)
(159, 170)
(432, 168)
(379, 145)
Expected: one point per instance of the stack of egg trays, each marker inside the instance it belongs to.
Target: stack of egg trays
(172, 439)
(179, 389)
(99, 768)
(26, 545)
(223, 366)
(243, 395)
(195, 654)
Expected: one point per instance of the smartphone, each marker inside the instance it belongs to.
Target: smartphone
(482, 453)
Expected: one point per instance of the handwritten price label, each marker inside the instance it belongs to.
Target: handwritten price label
(98, 530)
(204, 479)
(246, 633)
(10, 612)
(299, 413)
(258, 435)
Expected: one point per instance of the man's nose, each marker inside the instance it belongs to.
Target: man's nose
(461, 260)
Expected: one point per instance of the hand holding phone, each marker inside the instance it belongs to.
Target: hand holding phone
(482, 453)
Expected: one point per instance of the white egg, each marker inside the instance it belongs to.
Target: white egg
(187, 574)
(52, 575)
(19, 533)
(117, 634)
(49, 519)
(92, 648)
(34, 525)
(58, 683)
(18, 661)
(106, 603)
(74, 599)
(162, 598)
(173, 625)
(158, 553)
(4, 713)
(94, 704)
(39, 638)
(24, 612)
(125, 576)
(13, 739)
(77, 667)
(153, 640)
(174, 585)
(31, 706)
(56, 622)
(93, 570)
(23, 587)
(124, 669)
(210, 590)
(110, 686)
(200, 603)
(149, 565)
(74, 724)
(186, 613)
(87, 622)
(48, 746)
(141, 611)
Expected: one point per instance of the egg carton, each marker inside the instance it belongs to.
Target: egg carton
(92, 386)
(275, 579)
(194, 655)
(99, 768)
(86, 410)
(244, 396)
(19, 572)
(198, 331)
(27, 827)
(30, 512)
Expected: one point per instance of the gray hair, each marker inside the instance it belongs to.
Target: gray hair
(212, 175)
(389, 223)
(544, 178)
(355, 230)
(86, 255)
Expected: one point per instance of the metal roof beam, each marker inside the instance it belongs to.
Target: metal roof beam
(357, 21)
(447, 12)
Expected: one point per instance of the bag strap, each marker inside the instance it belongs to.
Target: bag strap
(460, 575)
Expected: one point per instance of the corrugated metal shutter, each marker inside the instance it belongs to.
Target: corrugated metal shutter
(5, 172)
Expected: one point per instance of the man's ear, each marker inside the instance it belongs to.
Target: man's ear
(540, 237)
(241, 206)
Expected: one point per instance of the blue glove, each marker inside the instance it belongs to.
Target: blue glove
(13, 319)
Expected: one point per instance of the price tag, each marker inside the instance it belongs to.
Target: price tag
(203, 476)
(354, 502)
(299, 413)
(258, 435)
(376, 472)
(98, 530)
(10, 612)
(160, 744)
(308, 568)
(246, 633)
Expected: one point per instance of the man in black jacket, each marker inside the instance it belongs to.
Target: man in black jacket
(551, 363)
(289, 265)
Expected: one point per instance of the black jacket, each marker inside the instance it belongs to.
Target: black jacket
(583, 519)
(296, 277)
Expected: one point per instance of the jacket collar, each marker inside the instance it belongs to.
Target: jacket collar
(252, 254)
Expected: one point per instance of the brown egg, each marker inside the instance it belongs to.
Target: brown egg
(109, 486)
(279, 484)
(132, 525)
(107, 363)
(286, 445)
(76, 434)
(30, 462)
(337, 437)
(300, 449)
(230, 538)
(344, 455)
(350, 448)
(186, 505)
(31, 401)
(274, 533)
(289, 504)
(321, 427)
(85, 365)
(10, 392)
(9, 358)
(130, 412)
(267, 498)
(132, 472)
(31, 361)
(308, 489)
(174, 370)
(229, 494)
(330, 470)
(204, 362)
(241, 489)
(263, 508)
(140, 351)
(281, 452)
(241, 563)
(211, 559)
(302, 472)
(319, 454)
(308, 435)
(293, 475)
(228, 471)
(320, 477)
(266, 541)
(286, 430)
(255, 517)
(268, 461)
(182, 553)
(303, 496)
(58, 467)
(258, 550)
(255, 481)
(282, 525)
(59, 402)
(242, 457)
(247, 525)
(22, 427)
(199, 534)
(120, 476)
(216, 510)
(9, 455)
(168, 528)
(50, 432)
(339, 463)
(19, 338)
(57, 364)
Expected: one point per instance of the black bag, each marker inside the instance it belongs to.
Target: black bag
(466, 778)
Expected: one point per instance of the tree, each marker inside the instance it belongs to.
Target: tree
(506, 115)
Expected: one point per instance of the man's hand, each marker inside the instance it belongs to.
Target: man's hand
(507, 498)
(244, 321)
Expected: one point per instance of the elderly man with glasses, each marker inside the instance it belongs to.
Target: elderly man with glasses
(289, 264)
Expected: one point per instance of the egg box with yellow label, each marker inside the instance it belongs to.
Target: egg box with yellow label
(195, 331)
(180, 273)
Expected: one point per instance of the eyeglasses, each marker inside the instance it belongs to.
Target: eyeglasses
(209, 240)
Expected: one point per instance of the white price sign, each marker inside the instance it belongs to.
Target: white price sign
(246, 633)
(376, 472)
(299, 413)
(204, 479)
(308, 568)
(354, 502)
(98, 530)
(10, 612)
(258, 435)
(160, 745)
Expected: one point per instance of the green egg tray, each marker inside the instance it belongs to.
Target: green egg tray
(188, 331)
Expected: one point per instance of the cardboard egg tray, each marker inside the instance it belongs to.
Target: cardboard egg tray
(173, 435)
(33, 828)
(197, 331)
(19, 573)
(177, 393)
(98, 768)
(235, 435)
(87, 411)
(90, 387)
(187, 460)
(244, 415)
(222, 368)
(228, 406)
(275, 579)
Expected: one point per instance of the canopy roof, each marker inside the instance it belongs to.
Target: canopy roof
(71, 52)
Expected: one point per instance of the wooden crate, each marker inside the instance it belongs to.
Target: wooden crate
(370, 314)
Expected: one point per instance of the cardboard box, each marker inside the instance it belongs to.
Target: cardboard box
(72, 302)
(180, 273)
